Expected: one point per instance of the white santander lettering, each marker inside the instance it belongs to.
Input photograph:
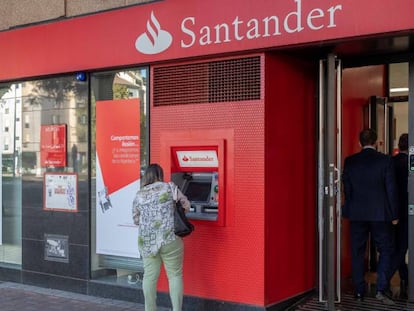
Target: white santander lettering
(332, 11)
(294, 21)
(188, 32)
(312, 16)
(266, 21)
(236, 24)
(225, 27)
(253, 29)
(297, 16)
(205, 36)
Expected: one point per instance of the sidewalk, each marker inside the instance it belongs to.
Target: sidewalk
(15, 296)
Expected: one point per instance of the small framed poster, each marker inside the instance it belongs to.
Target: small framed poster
(60, 192)
(56, 247)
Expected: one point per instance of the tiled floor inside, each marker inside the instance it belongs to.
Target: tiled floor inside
(370, 303)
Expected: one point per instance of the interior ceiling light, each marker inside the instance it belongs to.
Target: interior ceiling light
(398, 89)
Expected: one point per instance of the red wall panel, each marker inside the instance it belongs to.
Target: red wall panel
(265, 252)
(224, 262)
(290, 197)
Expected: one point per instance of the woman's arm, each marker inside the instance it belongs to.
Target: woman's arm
(183, 200)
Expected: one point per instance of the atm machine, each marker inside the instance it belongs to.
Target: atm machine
(201, 189)
(196, 174)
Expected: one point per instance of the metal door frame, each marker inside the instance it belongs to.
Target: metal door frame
(411, 180)
(329, 185)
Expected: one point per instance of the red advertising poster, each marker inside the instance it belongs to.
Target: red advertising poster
(118, 142)
(53, 145)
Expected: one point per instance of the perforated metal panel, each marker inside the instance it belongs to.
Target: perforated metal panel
(227, 80)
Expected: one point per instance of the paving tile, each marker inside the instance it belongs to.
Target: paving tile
(22, 297)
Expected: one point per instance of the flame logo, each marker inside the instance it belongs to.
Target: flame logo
(154, 40)
(185, 159)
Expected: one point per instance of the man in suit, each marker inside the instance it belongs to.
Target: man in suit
(371, 206)
(401, 229)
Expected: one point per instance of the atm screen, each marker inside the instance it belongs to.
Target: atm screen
(198, 191)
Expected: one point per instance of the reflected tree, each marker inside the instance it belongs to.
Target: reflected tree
(4, 88)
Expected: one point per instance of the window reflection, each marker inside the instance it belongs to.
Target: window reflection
(11, 185)
(54, 101)
(24, 109)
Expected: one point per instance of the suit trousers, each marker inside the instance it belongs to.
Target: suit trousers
(172, 256)
(400, 250)
(382, 236)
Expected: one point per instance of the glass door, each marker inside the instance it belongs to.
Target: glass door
(411, 179)
(378, 115)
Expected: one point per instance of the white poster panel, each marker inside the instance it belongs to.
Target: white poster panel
(1, 187)
(115, 232)
(1, 181)
(117, 176)
(60, 192)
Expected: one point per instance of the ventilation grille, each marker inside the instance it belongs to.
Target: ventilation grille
(210, 82)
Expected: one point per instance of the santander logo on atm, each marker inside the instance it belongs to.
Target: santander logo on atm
(197, 158)
(155, 40)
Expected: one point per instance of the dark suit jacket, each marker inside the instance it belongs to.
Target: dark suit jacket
(369, 187)
(401, 176)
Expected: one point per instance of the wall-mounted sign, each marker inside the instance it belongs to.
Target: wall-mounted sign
(53, 145)
(166, 30)
(197, 158)
(60, 192)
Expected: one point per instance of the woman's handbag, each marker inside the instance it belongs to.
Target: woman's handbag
(182, 226)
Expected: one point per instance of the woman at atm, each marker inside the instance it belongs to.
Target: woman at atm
(153, 212)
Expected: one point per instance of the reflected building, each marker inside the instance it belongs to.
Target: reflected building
(11, 126)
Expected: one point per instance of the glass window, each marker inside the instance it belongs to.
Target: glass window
(41, 104)
(119, 125)
(54, 102)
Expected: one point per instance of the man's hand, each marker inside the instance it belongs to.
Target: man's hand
(395, 221)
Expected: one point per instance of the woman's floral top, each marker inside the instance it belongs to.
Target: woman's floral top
(153, 212)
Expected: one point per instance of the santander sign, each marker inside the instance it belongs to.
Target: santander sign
(156, 40)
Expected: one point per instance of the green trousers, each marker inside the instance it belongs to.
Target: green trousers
(172, 256)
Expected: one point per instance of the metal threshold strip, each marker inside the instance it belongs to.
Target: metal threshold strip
(349, 304)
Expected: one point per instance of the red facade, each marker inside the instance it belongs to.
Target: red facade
(262, 249)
